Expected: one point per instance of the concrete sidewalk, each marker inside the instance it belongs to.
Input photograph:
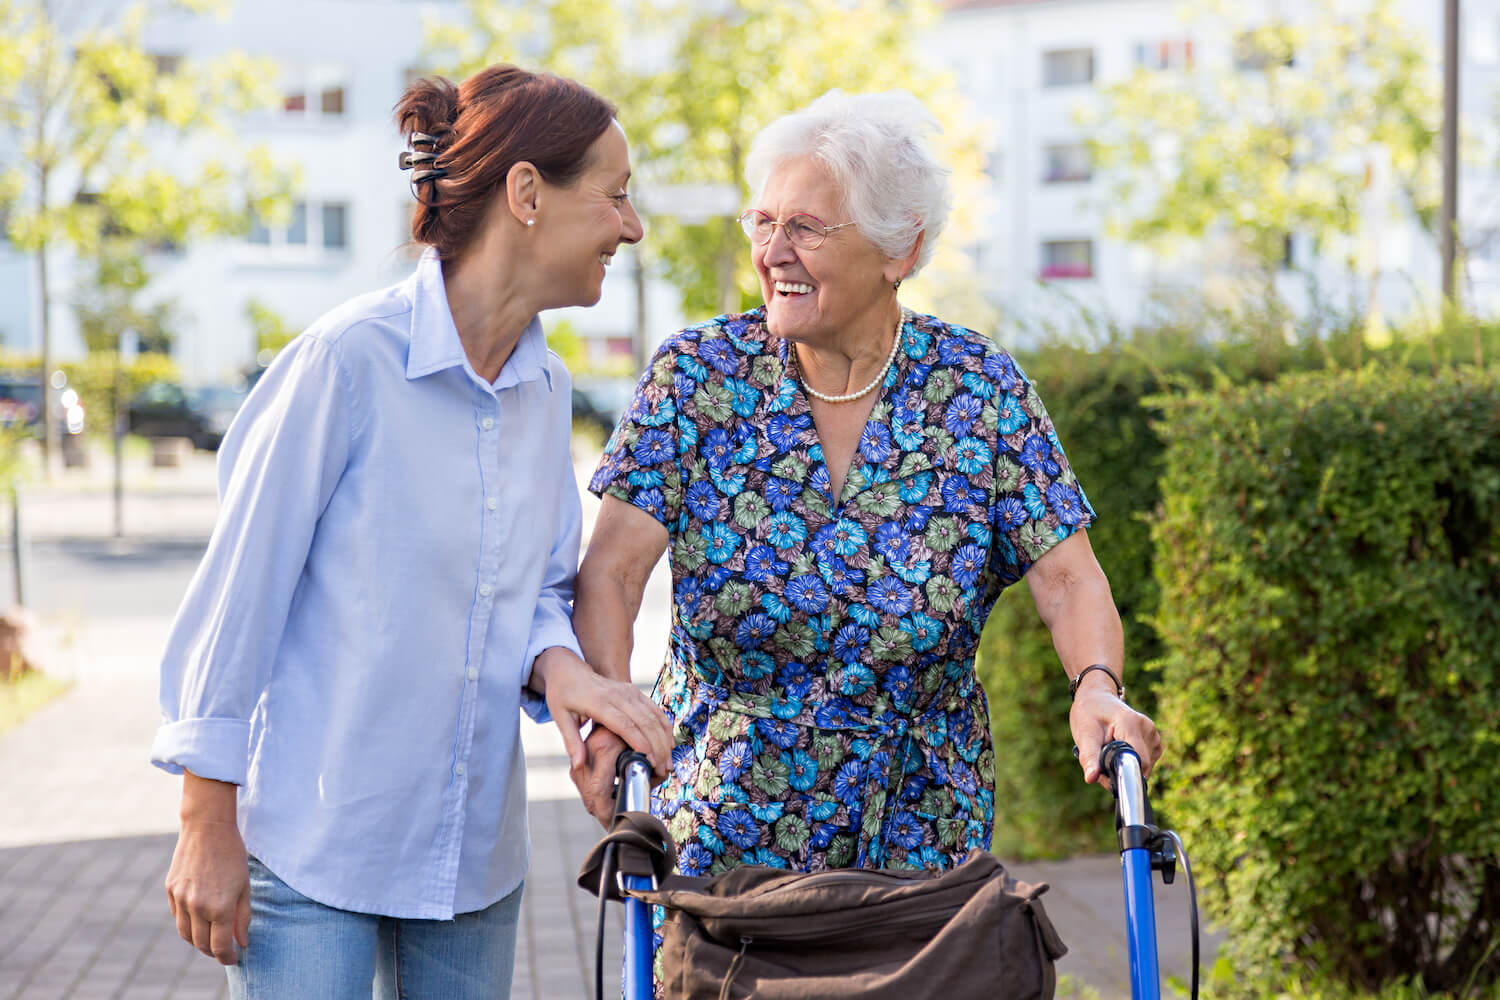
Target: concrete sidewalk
(87, 826)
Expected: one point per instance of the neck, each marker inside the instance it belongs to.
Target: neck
(860, 352)
(490, 311)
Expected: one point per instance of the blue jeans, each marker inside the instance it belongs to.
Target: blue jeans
(301, 948)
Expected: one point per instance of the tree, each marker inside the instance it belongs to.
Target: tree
(1286, 137)
(695, 82)
(99, 156)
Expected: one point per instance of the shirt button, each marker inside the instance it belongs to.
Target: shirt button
(459, 769)
(484, 590)
(487, 423)
(492, 503)
(473, 674)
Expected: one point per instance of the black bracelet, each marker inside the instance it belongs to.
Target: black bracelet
(1073, 684)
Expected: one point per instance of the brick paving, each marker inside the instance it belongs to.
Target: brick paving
(86, 825)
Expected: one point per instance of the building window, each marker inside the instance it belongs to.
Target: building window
(1067, 67)
(1067, 259)
(313, 92)
(1176, 53)
(294, 103)
(1260, 50)
(335, 222)
(1288, 252)
(311, 230)
(331, 101)
(1066, 163)
(167, 64)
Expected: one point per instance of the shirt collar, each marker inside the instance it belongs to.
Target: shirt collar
(434, 339)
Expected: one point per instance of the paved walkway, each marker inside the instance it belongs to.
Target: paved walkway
(86, 825)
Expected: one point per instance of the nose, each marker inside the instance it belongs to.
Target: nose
(632, 229)
(779, 249)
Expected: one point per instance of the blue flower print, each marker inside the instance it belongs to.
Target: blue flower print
(832, 714)
(755, 664)
(767, 812)
(846, 537)
(777, 732)
(905, 831)
(746, 397)
(644, 479)
(875, 442)
(918, 342)
(959, 418)
(765, 857)
(735, 760)
(684, 759)
(775, 608)
(717, 447)
(722, 542)
(916, 519)
(933, 859)
(785, 432)
(978, 385)
(1064, 499)
(973, 456)
(925, 632)
(819, 479)
(979, 533)
(962, 778)
(1036, 454)
(785, 530)
(907, 430)
(684, 385)
(890, 595)
(704, 501)
(653, 503)
(753, 630)
(807, 593)
(721, 354)
(690, 367)
(898, 684)
(822, 810)
(1012, 416)
(802, 769)
(715, 577)
(1010, 513)
(856, 679)
(841, 579)
(694, 859)
(822, 836)
(1003, 371)
(914, 489)
(781, 493)
(848, 783)
(953, 350)
(891, 542)
(866, 616)
(653, 446)
(763, 565)
(968, 563)
(957, 496)
(1031, 497)
(709, 838)
(850, 643)
(739, 828)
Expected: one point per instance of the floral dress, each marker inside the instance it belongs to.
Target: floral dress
(821, 662)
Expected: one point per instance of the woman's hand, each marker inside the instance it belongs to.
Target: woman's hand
(1099, 716)
(208, 885)
(595, 778)
(575, 694)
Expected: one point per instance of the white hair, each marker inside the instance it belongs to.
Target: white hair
(874, 146)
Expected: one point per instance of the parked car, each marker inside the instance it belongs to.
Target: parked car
(21, 406)
(202, 415)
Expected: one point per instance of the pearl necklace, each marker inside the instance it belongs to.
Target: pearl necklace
(850, 397)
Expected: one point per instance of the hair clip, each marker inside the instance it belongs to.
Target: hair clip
(428, 175)
(408, 160)
(421, 138)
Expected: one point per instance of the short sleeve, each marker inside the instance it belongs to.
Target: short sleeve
(1038, 500)
(642, 461)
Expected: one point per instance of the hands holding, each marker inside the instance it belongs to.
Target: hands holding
(575, 694)
(1098, 716)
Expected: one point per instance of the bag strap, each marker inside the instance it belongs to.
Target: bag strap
(642, 847)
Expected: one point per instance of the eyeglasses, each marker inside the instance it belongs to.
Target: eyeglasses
(806, 232)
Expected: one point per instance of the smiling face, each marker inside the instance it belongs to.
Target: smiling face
(821, 297)
(583, 224)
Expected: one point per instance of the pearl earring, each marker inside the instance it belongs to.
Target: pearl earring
(531, 222)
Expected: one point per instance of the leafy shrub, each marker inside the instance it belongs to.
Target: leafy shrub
(1328, 564)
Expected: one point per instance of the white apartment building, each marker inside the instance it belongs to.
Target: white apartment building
(1024, 64)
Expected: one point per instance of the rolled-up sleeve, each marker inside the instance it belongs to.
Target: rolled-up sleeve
(278, 468)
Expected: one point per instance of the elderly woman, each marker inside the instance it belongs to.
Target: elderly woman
(845, 487)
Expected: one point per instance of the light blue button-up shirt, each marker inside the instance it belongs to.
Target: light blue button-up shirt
(397, 541)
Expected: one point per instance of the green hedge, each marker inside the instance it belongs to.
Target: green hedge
(1330, 603)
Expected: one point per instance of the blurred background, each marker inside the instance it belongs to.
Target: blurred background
(1250, 262)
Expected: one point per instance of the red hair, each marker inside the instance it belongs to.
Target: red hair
(495, 119)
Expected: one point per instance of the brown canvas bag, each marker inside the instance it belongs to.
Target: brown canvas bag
(970, 932)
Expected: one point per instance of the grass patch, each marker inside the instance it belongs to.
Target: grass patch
(24, 695)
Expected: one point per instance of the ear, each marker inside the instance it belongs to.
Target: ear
(523, 190)
(897, 268)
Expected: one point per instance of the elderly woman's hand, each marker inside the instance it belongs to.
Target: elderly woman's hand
(1099, 716)
(576, 694)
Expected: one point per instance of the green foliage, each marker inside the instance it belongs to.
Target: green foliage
(272, 332)
(1327, 556)
(695, 82)
(1339, 103)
